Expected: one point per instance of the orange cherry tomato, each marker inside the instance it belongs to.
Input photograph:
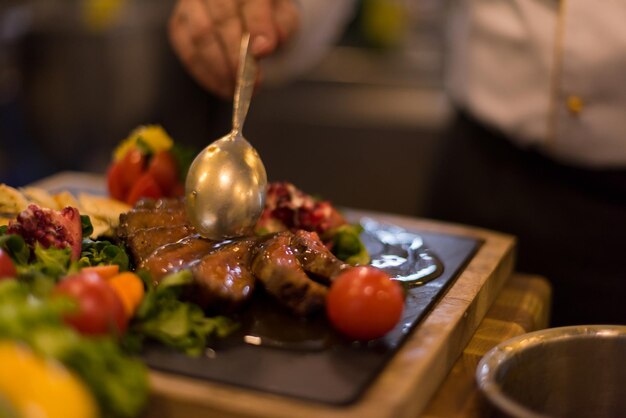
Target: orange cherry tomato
(164, 169)
(145, 186)
(364, 303)
(105, 272)
(129, 287)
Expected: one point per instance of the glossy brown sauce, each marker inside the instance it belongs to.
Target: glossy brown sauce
(265, 323)
(400, 253)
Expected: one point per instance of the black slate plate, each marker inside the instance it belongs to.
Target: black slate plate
(315, 364)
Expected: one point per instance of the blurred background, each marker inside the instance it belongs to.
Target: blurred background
(359, 128)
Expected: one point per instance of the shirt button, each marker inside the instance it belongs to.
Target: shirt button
(575, 105)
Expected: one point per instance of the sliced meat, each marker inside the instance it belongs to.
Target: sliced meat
(222, 279)
(162, 242)
(177, 256)
(137, 219)
(315, 258)
(143, 242)
(275, 264)
(160, 204)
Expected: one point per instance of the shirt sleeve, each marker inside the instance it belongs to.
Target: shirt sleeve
(322, 22)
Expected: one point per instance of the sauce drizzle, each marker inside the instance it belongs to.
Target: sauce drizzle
(399, 252)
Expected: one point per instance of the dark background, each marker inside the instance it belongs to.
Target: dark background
(359, 128)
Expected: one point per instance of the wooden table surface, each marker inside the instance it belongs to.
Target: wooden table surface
(522, 306)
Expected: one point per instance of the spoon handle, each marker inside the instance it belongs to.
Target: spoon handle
(245, 84)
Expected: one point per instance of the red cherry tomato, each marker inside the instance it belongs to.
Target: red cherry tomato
(145, 186)
(164, 169)
(132, 167)
(364, 303)
(100, 310)
(7, 268)
(117, 190)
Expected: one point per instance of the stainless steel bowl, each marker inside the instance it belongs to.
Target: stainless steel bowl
(577, 371)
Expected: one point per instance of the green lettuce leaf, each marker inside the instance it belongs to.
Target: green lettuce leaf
(45, 269)
(15, 246)
(96, 253)
(118, 381)
(163, 317)
(87, 227)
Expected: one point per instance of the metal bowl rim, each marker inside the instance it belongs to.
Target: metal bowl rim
(503, 352)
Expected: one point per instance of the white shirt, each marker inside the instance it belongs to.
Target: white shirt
(322, 22)
(549, 74)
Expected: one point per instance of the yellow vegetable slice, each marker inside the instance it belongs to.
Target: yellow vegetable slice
(39, 388)
(12, 201)
(65, 199)
(40, 197)
(103, 211)
(154, 136)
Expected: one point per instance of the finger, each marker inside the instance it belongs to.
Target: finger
(222, 10)
(200, 25)
(287, 18)
(202, 73)
(225, 17)
(194, 62)
(177, 17)
(196, 39)
(179, 34)
(214, 60)
(209, 48)
(258, 20)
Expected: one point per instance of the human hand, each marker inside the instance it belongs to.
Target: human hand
(206, 36)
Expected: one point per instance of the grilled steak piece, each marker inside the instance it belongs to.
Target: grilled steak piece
(277, 267)
(222, 279)
(144, 242)
(136, 219)
(177, 256)
(160, 204)
(315, 258)
(162, 242)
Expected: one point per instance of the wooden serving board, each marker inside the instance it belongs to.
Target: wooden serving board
(412, 375)
(409, 378)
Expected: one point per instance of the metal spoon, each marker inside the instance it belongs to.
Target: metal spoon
(226, 183)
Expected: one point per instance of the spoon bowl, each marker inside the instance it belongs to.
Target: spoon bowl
(226, 183)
